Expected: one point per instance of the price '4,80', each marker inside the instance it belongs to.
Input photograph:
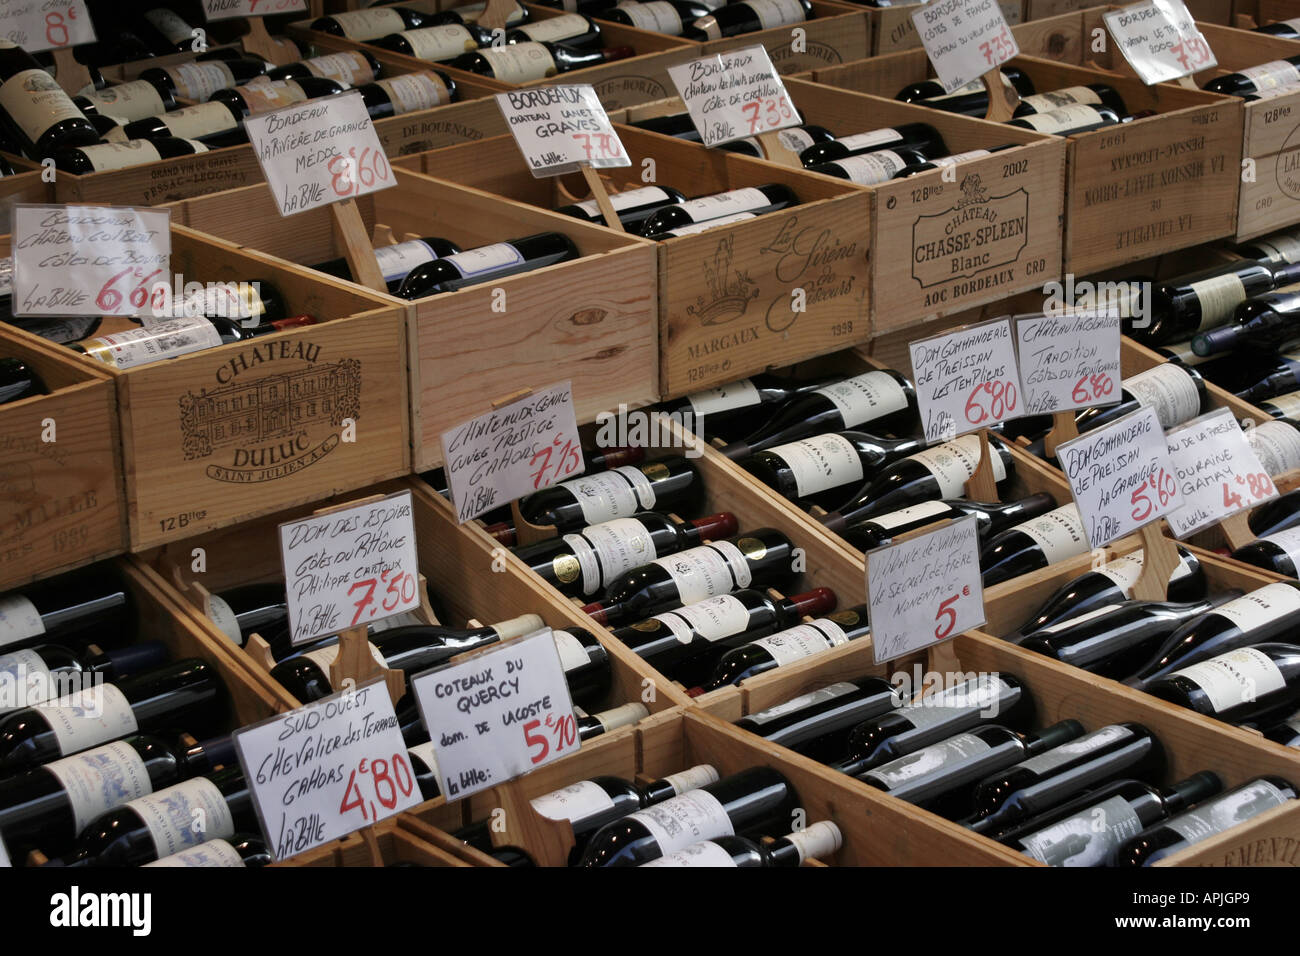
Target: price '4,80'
(1258, 486)
(767, 114)
(387, 779)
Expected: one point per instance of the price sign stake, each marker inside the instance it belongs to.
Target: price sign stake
(1217, 470)
(257, 42)
(966, 41)
(1160, 40)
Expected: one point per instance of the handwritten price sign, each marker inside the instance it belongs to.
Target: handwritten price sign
(734, 95)
(46, 24)
(324, 770)
(349, 568)
(319, 152)
(1217, 470)
(1069, 360)
(226, 9)
(964, 39)
(1160, 40)
(512, 451)
(499, 714)
(559, 128)
(967, 379)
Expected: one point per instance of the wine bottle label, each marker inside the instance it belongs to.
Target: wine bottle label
(428, 755)
(194, 145)
(1091, 837)
(871, 169)
(571, 650)
(795, 139)
(1126, 570)
(118, 135)
(1288, 404)
(876, 137)
(271, 95)
(821, 463)
(865, 397)
(1070, 96)
(1288, 541)
(1261, 607)
(1227, 810)
(519, 62)
(956, 158)
(1059, 533)
(1057, 757)
(1169, 390)
(724, 398)
(415, 91)
(693, 778)
(136, 100)
(624, 716)
(1276, 444)
(100, 779)
(706, 853)
(1293, 23)
(1270, 76)
(440, 43)
(680, 821)
(1071, 622)
(162, 340)
(606, 550)
(169, 25)
(802, 702)
(612, 494)
(776, 13)
(556, 28)
(656, 15)
(1280, 248)
(710, 620)
(471, 12)
(574, 802)
(1218, 297)
(404, 619)
(1062, 119)
(25, 680)
(325, 657)
(89, 717)
(802, 641)
(106, 156)
(699, 227)
(627, 199)
(19, 619)
(707, 571)
(724, 204)
(350, 69)
(906, 516)
(1293, 722)
(202, 120)
(953, 463)
(397, 260)
(212, 853)
(36, 103)
(369, 24)
(979, 694)
(1235, 678)
(198, 81)
(185, 815)
(927, 760)
(485, 259)
(975, 86)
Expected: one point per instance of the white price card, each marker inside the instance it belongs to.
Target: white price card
(733, 95)
(966, 379)
(1069, 360)
(225, 9)
(964, 39)
(1217, 470)
(324, 770)
(1121, 475)
(529, 444)
(1160, 40)
(4, 855)
(499, 714)
(322, 151)
(925, 590)
(37, 25)
(90, 260)
(559, 128)
(350, 567)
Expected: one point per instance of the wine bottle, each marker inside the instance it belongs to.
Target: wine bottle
(590, 7)
(820, 840)
(487, 263)
(171, 32)
(213, 124)
(665, 484)
(1089, 830)
(349, 67)
(172, 338)
(395, 261)
(1279, 248)
(71, 609)
(991, 518)
(969, 100)
(135, 100)
(905, 137)
(751, 199)
(885, 398)
(1068, 120)
(936, 473)
(35, 113)
(1265, 614)
(1007, 798)
(747, 16)
(1276, 444)
(1277, 515)
(106, 156)
(1286, 733)
(602, 722)
(1189, 304)
(266, 96)
(1284, 407)
(1093, 94)
(1206, 819)
(1275, 375)
(372, 23)
(939, 162)
(46, 672)
(686, 644)
(1275, 552)
(1264, 322)
(438, 44)
(1288, 29)
(574, 30)
(761, 557)
(239, 850)
(1037, 543)
(199, 81)
(818, 724)
(534, 60)
(184, 693)
(18, 380)
(757, 800)
(659, 16)
(939, 777)
(633, 206)
(1175, 391)
(46, 807)
(1260, 684)
(1257, 79)
(785, 647)
(825, 469)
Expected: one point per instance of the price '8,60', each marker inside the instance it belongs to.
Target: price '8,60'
(558, 733)
(350, 173)
(388, 779)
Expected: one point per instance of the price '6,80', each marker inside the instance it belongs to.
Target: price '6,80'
(558, 733)
(1160, 487)
(387, 779)
(351, 173)
(767, 114)
(995, 400)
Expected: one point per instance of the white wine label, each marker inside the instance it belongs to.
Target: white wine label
(484, 259)
(1288, 541)
(692, 778)
(571, 650)
(25, 680)
(1261, 607)
(794, 139)
(168, 24)
(19, 619)
(325, 657)
(1288, 405)
(1070, 96)
(975, 86)
(776, 13)
(707, 571)
(952, 464)
(1090, 837)
(202, 120)
(1169, 390)
(1226, 811)
(1218, 298)
(624, 716)
(724, 204)
(161, 340)
(724, 398)
(471, 12)
(803, 640)
(627, 199)
(1270, 76)
(1276, 445)
(100, 779)
(415, 91)
(871, 169)
(927, 760)
(876, 137)
(106, 156)
(802, 702)
(980, 694)
(1050, 760)
(611, 494)
(1235, 678)
(198, 81)
(821, 463)
(428, 755)
(397, 260)
(680, 821)
(369, 24)
(606, 550)
(556, 28)
(271, 95)
(440, 43)
(185, 815)
(1126, 570)
(906, 516)
(1280, 248)
(1293, 722)
(520, 62)
(1063, 118)
(1080, 619)
(956, 158)
(699, 227)
(656, 15)
(706, 853)
(136, 100)
(350, 69)
(36, 103)
(574, 802)
(212, 853)
(89, 717)
(865, 397)
(711, 619)
(1059, 533)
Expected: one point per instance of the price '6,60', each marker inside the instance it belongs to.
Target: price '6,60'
(352, 173)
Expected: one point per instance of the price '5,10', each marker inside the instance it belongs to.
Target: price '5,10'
(557, 733)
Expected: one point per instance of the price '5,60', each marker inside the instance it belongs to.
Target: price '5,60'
(558, 733)
(1159, 487)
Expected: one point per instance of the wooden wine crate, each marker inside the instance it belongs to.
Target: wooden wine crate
(894, 29)
(591, 320)
(392, 845)
(1248, 14)
(836, 33)
(27, 184)
(61, 500)
(1208, 11)
(1179, 169)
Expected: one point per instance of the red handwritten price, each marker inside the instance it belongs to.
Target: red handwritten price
(599, 145)
(1162, 485)
(110, 298)
(767, 114)
(1258, 487)
(402, 588)
(560, 464)
(351, 173)
(1092, 387)
(387, 778)
(563, 732)
(993, 400)
(946, 611)
(56, 27)
(999, 49)
(274, 6)
(1191, 54)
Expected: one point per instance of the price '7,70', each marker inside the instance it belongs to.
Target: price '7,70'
(599, 145)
